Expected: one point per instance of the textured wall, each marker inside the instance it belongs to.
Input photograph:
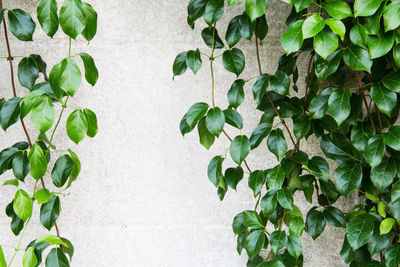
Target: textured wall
(143, 197)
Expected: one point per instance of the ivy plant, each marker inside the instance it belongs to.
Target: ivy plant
(36, 159)
(349, 103)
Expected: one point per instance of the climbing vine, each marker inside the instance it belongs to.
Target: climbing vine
(45, 102)
(349, 104)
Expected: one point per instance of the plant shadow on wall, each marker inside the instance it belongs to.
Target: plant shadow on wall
(43, 94)
(355, 43)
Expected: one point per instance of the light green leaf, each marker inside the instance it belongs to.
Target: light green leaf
(91, 72)
(380, 46)
(312, 26)
(51, 239)
(72, 18)
(3, 262)
(325, 43)
(301, 4)
(47, 16)
(76, 169)
(37, 161)
(43, 195)
(43, 114)
(337, 27)
(70, 76)
(391, 16)
(357, 58)
(338, 9)
(22, 205)
(256, 8)
(292, 39)
(91, 21)
(364, 8)
(29, 259)
(77, 126)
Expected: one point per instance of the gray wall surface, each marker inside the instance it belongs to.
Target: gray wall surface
(143, 197)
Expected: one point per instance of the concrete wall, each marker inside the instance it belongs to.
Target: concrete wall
(143, 197)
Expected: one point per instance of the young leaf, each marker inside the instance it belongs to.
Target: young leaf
(338, 9)
(312, 26)
(337, 26)
(70, 76)
(325, 43)
(386, 226)
(77, 126)
(256, 8)
(2, 258)
(43, 114)
(240, 148)
(29, 259)
(37, 162)
(42, 196)
(72, 18)
(91, 72)
(47, 16)
(292, 39)
(22, 205)
(21, 24)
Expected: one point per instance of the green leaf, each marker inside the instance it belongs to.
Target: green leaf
(236, 94)
(378, 243)
(28, 72)
(275, 177)
(319, 104)
(347, 252)
(193, 60)
(338, 148)
(315, 223)
(280, 83)
(325, 43)
(54, 78)
(277, 143)
(2, 259)
(384, 99)
(294, 246)
(233, 34)
(320, 167)
(43, 114)
(233, 118)
(375, 150)
(180, 66)
(69, 249)
(91, 72)
(42, 196)
(394, 207)
(21, 24)
(29, 259)
(358, 35)
(348, 177)
(92, 122)
(259, 134)
(233, 176)
(301, 127)
(285, 198)
(70, 76)
(247, 27)
(292, 39)
(49, 212)
(360, 135)
(16, 224)
(360, 230)
(256, 181)
(252, 219)
(232, 2)
(262, 27)
(9, 113)
(50, 239)
(392, 256)
(76, 169)
(61, 170)
(47, 16)
(215, 170)
(13, 182)
(334, 217)
(256, 8)
(22, 205)
(209, 34)
(233, 61)
(213, 11)
(268, 202)
(72, 18)
(392, 81)
(386, 226)
(196, 9)
(312, 26)
(301, 4)
(391, 16)
(364, 8)
(20, 165)
(206, 138)
(392, 137)
(37, 161)
(339, 105)
(90, 29)
(240, 148)
(77, 126)
(215, 121)
(254, 243)
(57, 258)
(278, 240)
(30, 100)
(260, 88)
(338, 9)
(337, 27)
(380, 46)
(357, 58)
(383, 174)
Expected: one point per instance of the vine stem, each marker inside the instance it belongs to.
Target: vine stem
(365, 99)
(269, 97)
(12, 78)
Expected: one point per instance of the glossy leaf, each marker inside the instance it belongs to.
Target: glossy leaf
(209, 34)
(21, 24)
(357, 58)
(20, 165)
(240, 148)
(325, 43)
(43, 114)
(379, 46)
(29, 259)
(294, 246)
(334, 216)
(193, 60)
(180, 66)
(77, 126)
(61, 171)
(43, 195)
(375, 150)
(348, 177)
(338, 9)
(385, 99)
(91, 72)
(260, 88)
(360, 230)
(236, 94)
(366, 7)
(233, 61)
(70, 76)
(383, 174)
(47, 16)
(10, 113)
(392, 255)
(292, 39)
(90, 29)
(278, 240)
(315, 223)
(277, 143)
(312, 26)
(206, 138)
(233, 118)
(256, 181)
(215, 170)
(215, 121)
(259, 134)
(280, 83)
(285, 198)
(268, 202)
(37, 162)
(49, 212)
(275, 177)
(22, 205)
(233, 176)
(57, 258)
(254, 243)
(28, 72)
(213, 11)
(256, 8)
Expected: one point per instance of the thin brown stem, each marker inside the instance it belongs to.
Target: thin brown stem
(269, 97)
(365, 99)
(12, 78)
